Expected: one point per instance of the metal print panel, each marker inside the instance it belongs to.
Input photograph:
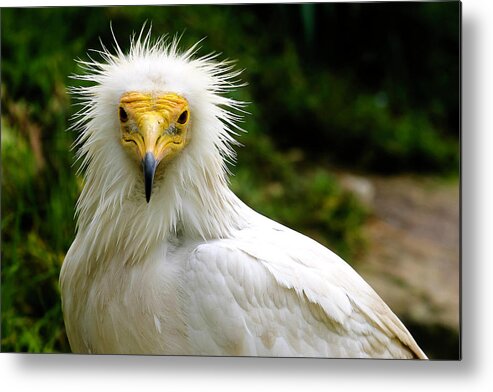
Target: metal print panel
(256, 180)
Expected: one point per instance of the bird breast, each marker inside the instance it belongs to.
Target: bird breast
(126, 308)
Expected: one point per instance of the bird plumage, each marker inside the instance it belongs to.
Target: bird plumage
(195, 271)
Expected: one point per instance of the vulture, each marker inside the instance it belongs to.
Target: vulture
(166, 258)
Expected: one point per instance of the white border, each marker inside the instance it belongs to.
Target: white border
(473, 373)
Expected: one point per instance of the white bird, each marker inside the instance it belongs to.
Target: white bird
(192, 270)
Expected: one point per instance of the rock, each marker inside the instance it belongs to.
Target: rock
(361, 187)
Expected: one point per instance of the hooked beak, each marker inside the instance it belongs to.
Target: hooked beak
(149, 167)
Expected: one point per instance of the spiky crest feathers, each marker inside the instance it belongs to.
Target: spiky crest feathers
(192, 196)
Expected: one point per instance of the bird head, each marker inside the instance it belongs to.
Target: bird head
(148, 109)
(154, 128)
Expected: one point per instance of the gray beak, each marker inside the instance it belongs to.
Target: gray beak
(149, 167)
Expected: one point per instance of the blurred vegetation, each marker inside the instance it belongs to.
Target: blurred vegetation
(372, 87)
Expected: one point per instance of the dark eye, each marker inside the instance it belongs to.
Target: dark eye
(183, 117)
(123, 115)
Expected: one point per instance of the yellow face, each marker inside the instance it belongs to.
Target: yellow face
(154, 128)
(154, 123)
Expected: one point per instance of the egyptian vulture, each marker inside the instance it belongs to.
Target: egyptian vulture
(167, 259)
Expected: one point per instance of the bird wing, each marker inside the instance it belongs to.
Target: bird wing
(271, 291)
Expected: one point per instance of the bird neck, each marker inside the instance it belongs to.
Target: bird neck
(188, 202)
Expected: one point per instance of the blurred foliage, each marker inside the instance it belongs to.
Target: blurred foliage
(368, 86)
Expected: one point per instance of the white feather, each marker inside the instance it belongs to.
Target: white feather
(195, 271)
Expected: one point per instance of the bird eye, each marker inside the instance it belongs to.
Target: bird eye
(123, 115)
(183, 117)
